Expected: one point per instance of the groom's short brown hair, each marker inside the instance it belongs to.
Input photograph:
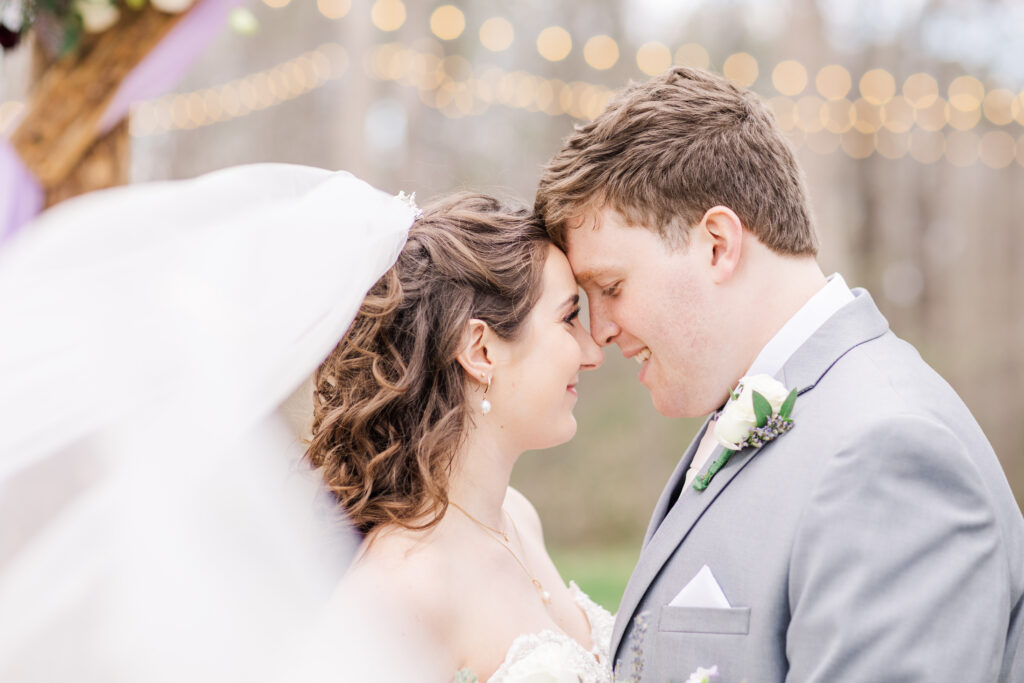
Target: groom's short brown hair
(667, 150)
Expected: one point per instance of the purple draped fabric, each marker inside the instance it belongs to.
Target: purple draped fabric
(21, 195)
(170, 59)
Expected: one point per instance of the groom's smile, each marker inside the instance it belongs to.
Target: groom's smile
(641, 357)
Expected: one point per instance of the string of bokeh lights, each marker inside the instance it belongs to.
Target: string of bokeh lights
(968, 125)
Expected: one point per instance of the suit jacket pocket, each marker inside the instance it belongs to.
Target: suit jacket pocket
(734, 620)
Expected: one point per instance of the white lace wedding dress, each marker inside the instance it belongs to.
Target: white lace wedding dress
(554, 656)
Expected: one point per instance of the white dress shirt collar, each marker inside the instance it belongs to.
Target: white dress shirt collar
(798, 329)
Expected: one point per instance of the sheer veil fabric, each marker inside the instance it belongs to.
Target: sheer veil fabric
(154, 523)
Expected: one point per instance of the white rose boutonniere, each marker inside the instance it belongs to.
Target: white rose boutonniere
(739, 416)
(757, 412)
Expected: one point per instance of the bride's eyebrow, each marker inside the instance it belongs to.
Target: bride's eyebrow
(574, 300)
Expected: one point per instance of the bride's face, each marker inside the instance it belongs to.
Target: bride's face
(534, 388)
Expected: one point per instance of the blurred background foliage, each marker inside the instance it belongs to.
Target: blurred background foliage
(907, 116)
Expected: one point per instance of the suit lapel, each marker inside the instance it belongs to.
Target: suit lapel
(858, 322)
(674, 483)
(672, 531)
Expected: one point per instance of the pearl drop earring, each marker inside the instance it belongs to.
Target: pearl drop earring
(485, 405)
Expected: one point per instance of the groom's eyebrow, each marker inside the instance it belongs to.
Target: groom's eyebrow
(588, 276)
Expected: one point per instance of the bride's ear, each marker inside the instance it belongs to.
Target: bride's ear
(473, 354)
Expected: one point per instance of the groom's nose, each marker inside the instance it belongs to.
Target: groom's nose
(602, 329)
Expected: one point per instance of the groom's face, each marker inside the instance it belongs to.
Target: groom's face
(658, 304)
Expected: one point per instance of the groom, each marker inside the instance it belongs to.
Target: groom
(877, 540)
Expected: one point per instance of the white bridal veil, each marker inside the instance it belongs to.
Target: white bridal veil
(155, 524)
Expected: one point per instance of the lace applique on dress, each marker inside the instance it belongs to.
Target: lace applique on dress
(560, 657)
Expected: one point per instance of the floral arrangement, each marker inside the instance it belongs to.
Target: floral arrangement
(64, 22)
(757, 412)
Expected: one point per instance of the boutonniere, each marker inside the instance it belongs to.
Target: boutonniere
(757, 412)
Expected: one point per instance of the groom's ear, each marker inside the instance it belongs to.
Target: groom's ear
(723, 231)
(473, 354)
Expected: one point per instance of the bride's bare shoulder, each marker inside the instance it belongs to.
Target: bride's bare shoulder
(408, 564)
(406, 585)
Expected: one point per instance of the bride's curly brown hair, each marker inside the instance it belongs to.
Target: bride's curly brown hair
(390, 405)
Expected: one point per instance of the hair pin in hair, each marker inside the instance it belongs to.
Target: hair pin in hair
(410, 200)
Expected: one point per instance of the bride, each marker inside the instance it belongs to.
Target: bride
(465, 354)
(148, 530)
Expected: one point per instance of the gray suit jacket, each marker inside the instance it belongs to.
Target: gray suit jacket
(876, 541)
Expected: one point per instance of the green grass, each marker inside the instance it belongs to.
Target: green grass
(601, 572)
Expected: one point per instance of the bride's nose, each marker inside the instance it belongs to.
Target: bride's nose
(592, 355)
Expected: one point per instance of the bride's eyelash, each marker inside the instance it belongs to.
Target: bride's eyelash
(571, 318)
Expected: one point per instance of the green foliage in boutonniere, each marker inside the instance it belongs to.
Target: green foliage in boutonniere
(757, 412)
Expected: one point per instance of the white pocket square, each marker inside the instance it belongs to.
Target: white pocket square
(702, 591)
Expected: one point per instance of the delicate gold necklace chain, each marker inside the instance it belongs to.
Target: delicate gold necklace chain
(489, 528)
(544, 595)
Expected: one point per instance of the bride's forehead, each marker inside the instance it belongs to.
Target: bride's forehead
(557, 272)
